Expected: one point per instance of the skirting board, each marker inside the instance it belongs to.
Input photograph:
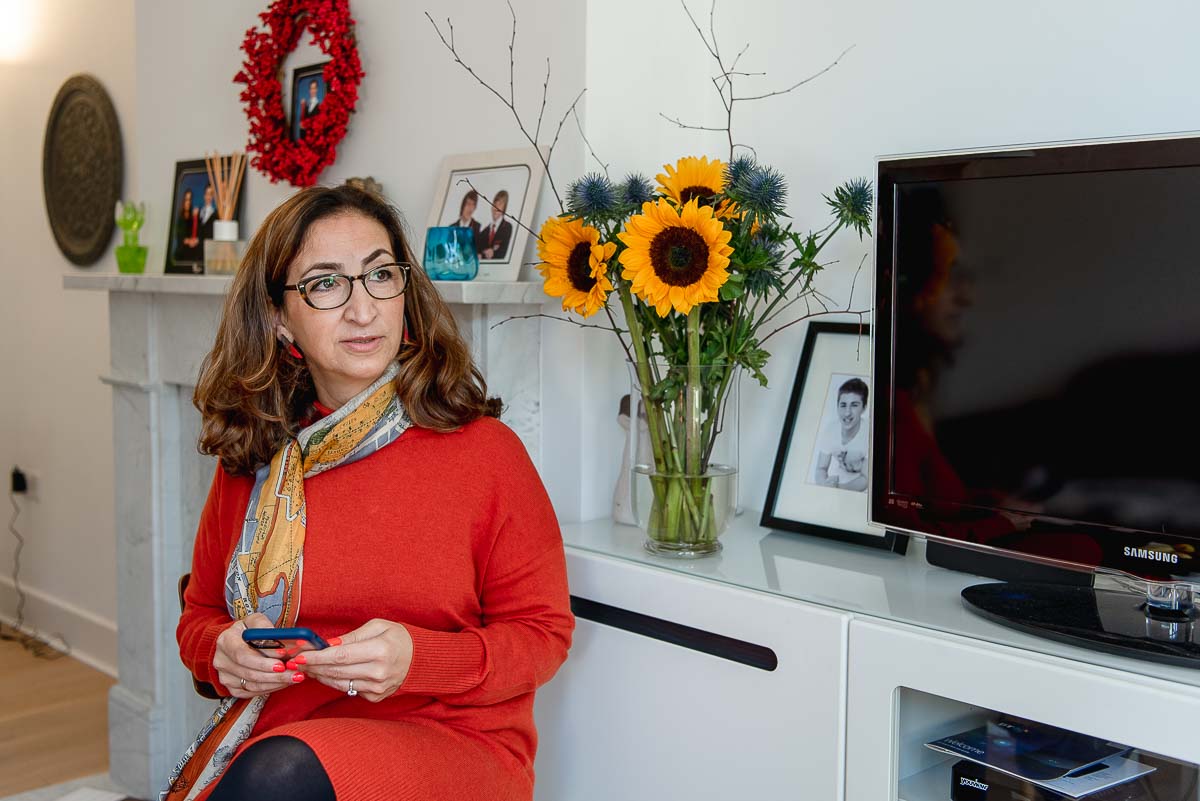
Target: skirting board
(92, 639)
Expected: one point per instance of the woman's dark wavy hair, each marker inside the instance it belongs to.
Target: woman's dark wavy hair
(252, 398)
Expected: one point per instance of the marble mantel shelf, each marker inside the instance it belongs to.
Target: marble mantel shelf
(458, 292)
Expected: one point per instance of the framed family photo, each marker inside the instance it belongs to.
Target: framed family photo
(494, 194)
(308, 93)
(193, 213)
(822, 467)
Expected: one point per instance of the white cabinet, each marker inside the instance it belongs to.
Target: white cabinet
(908, 685)
(876, 655)
(633, 717)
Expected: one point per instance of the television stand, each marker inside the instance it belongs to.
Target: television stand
(1160, 625)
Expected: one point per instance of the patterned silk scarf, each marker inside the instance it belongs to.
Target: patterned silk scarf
(264, 573)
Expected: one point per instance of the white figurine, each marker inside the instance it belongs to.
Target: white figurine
(622, 508)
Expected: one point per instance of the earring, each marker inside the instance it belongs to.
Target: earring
(290, 347)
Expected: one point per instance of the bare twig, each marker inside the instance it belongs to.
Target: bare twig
(726, 105)
(687, 11)
(723, 81)
(859, 312)
(612, 321)
(712, 29)
(820, 297)
(583, 136)
(854, 280)
(618, 331)
(784, 308)
(566, 114)
(467, 181)
(738, 58)
(685, 125)
(798, 84)
(751, 148)
(447, 40)
(512, 59)
(537, 132)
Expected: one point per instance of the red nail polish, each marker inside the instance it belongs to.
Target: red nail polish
(291, 663)
(278, 668)
(301, 660)
(335, 640)
(282, 652)
(299, 677)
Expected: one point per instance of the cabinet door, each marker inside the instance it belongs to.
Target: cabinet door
(631, 716)
(887, 726)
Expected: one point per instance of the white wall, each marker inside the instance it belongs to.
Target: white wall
(55, 415)
(922, 76)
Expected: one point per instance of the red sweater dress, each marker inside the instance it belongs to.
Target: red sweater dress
(451, 535)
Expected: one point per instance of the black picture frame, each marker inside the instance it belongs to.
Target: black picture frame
(302, 79)
(839, 519)
(185, 242)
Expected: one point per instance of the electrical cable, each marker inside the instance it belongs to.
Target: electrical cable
(30, 641)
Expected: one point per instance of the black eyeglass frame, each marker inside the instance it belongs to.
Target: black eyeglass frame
(302, 286)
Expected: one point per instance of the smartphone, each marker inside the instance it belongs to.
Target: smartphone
(293, 640)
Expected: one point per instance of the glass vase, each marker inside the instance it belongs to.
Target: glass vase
(685, 497)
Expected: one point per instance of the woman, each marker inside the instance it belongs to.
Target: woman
(364, 492)
(187, 242)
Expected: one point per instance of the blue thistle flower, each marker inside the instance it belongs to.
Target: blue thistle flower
(762, 191)
(636, 190)
(591, 196)
(739, 168)
(852, 202)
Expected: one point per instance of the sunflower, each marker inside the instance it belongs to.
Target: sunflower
(691, 178)
(575, 264)
(675, 257)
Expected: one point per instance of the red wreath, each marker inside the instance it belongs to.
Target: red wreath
(275, 154)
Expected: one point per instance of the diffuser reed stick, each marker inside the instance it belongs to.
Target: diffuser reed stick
(225, 173)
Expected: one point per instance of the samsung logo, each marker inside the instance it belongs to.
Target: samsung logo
(963, 781)
(1153, 556)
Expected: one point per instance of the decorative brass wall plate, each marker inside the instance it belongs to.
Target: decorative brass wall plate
(82, 169)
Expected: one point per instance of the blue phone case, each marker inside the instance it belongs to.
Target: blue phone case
(268, 639)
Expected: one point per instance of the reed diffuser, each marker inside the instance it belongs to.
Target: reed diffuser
(223, 252)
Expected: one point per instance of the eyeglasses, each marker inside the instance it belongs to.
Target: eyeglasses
(331, 290)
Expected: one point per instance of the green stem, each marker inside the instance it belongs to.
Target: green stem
(643, 372)
(712, 426)
(692, 393)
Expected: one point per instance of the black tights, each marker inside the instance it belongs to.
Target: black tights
(277, 768)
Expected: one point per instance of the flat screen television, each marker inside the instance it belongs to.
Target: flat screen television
(1036, 357)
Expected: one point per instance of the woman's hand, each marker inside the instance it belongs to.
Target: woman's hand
(376, 657)
(245, 671)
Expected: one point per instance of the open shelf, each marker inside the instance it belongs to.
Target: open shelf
(924, 774)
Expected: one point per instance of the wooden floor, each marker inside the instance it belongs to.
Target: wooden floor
(53, 720)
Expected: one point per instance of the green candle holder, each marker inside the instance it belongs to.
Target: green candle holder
(131, 257)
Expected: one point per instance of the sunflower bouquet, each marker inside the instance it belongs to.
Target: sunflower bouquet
(699, 263)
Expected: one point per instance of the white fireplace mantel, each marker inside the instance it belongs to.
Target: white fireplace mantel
(160, 329)
(454, 292)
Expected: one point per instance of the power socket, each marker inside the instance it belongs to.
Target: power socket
(20, 482)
